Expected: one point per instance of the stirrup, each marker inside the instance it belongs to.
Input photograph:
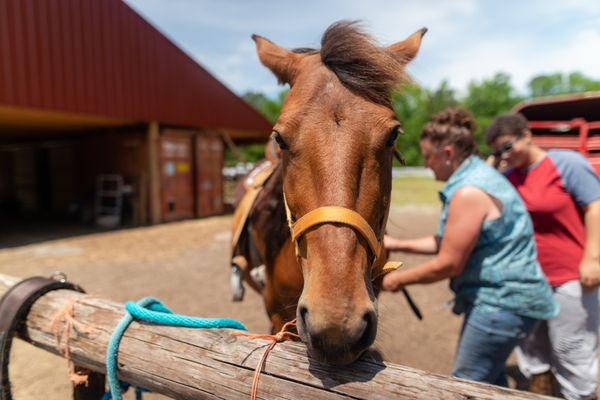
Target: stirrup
(237, 287)
(258, 276)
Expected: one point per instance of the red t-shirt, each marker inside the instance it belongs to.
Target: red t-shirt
(554, 191)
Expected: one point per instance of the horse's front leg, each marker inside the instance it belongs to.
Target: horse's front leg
(279, 310)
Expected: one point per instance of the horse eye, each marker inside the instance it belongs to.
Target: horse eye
(393, 136)
(280, 142)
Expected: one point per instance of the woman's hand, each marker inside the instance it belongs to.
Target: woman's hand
(389, 242)
(589, 273)
(393, 282)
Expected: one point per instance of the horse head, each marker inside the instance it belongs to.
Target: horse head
(336, 133)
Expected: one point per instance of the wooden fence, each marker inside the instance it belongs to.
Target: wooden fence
(211, 363)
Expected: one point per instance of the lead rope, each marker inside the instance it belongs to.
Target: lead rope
(281, 336)
(153, 311)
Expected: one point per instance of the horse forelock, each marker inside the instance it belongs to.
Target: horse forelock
(361, 64)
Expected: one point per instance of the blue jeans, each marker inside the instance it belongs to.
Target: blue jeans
(486, 341)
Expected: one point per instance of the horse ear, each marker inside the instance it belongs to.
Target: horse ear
(408, 48)
(280, 61)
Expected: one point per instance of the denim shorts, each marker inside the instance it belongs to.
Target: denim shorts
(486, 341)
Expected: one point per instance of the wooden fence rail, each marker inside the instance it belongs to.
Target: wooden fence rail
(212, 364)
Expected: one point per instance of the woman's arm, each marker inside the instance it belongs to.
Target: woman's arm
(589, 268)
(425, 245)
(466, 213)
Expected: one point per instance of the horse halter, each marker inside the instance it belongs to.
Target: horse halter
(348, 217)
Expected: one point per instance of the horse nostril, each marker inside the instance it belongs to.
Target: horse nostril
(370, 330)
(368, 318)
(302, 311)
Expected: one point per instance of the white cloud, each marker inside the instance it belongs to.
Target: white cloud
(583, 54)
(468, 39)
(522, 58)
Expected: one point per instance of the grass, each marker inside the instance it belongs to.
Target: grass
(415, 191)
(418, 191)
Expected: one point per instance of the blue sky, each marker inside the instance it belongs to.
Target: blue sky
(467, 39)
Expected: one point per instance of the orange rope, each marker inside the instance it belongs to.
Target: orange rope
(67, 314)
(283, 335)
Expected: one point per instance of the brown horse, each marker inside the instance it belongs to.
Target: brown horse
(336, 133)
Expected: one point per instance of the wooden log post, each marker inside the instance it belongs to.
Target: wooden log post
(153, 146)
(211, 363)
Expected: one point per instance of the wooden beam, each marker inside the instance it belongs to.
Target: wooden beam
(211, 363)
(153, 141)
(38, 118)
(231, 145)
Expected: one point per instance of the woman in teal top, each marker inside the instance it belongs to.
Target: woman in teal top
(485, 245)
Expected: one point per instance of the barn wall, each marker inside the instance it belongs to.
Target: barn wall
(176, 174)
(24, 180)
(6, 181)
(191, 163)
(57, 177)
(209, 150)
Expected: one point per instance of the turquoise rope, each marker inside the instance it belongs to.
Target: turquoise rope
(152, 310)
(124, 387)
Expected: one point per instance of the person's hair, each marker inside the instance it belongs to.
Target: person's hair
(452, 126)
(505, 125)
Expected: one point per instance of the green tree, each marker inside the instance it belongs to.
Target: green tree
(269, 108)
(414, 106)
(577, 82)
(557, 83)
(546, 85)
(488, 99)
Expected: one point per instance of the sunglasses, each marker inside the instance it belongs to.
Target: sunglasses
(506, 147)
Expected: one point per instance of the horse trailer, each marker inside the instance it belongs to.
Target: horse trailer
(566, 122)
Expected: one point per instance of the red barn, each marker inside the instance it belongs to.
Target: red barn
(566, 122)
(100, 113)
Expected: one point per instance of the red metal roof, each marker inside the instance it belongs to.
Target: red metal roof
(102, 58)
(562, 108)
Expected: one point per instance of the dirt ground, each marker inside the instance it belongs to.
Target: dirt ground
(185, 264)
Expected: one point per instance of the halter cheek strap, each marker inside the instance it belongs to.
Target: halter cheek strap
(345, 216)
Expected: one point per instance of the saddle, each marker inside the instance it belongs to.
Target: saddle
(253, 185)
(244, 255)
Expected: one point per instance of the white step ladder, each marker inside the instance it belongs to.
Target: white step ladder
(109, 200)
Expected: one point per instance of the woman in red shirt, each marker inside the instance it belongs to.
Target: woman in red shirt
(562, 194)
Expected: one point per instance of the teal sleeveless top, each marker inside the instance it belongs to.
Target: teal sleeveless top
(502, 272)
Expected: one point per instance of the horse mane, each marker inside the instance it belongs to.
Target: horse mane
(359, 62)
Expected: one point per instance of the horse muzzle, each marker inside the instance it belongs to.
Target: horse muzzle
(337, 341)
